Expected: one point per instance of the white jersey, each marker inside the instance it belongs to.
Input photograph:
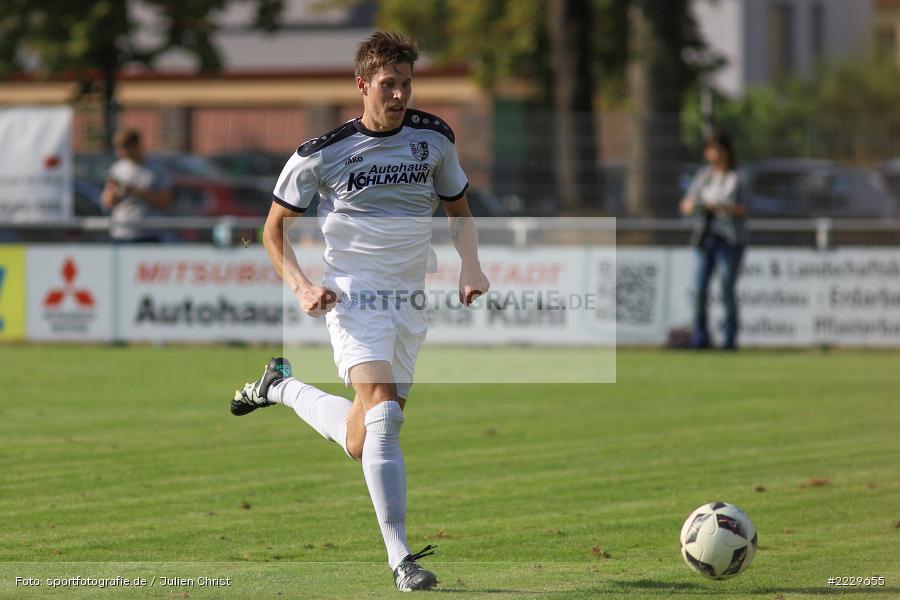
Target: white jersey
(378, 191)
(132, 207)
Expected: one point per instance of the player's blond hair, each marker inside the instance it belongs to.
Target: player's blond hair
(381, 49)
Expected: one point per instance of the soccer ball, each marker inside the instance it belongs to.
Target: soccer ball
(718, 540)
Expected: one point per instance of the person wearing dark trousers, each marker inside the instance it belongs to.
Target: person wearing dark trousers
(719, 236)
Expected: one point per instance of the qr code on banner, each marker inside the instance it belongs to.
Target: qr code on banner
(637, 287)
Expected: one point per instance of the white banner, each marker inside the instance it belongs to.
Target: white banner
(35, 164)
(797, 297)
(202, 294)
(70, 293)
(788, 297)
(539, 296)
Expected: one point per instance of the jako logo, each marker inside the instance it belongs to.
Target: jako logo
(353, 159)
(55, 297)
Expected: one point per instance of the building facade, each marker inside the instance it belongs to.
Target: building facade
(766, 40)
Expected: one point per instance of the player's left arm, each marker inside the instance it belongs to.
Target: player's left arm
(472, 280)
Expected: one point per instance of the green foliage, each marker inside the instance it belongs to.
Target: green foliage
(862, 89)
(767, 121)
(62, 36)
(847, 111)
(504, 38)
(500, 38)
(84, 38)
(610, 39)
(79, 36)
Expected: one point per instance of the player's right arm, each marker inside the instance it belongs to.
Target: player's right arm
(296, 186)
(315, 300)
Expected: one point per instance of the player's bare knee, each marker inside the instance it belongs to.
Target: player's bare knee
(383, 392)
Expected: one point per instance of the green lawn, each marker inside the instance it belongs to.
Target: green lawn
(126, 462)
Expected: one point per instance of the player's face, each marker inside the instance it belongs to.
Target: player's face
(386, 95)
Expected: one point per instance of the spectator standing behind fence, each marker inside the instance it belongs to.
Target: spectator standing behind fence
(719, 237)
(134, 190)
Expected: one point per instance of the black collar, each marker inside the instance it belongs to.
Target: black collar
(358, 126)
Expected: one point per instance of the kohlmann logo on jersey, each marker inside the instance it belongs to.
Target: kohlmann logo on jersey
(387, 174)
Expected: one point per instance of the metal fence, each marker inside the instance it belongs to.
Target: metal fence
(820, 233)
(510, 152)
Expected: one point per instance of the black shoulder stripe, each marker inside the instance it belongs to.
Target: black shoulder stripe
(418, 119)
(310, 147)
(457, 196)
(287, 205)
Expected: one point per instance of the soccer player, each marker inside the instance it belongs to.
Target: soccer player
(378, 177)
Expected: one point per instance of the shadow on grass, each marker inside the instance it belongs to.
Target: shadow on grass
(650, 586)
(664, 587)
(518, 593)
(892, 592)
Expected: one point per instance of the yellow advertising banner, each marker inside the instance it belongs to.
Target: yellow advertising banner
(12, 292)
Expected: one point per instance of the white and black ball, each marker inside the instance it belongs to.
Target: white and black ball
(718, 540)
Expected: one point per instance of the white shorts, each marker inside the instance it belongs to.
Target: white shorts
(392, 335)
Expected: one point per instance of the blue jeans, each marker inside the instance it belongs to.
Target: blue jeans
(711, 252)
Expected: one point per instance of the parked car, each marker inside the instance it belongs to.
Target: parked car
(804, 188)
(92, 167)
(87, 198)
(253, 167)
(200, 188)
(890, 170)
(615, 175)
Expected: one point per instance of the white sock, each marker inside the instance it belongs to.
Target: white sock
(325, 413)
(385, 473)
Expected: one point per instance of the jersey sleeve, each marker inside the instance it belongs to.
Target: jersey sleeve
(298, 182)
(450, 181)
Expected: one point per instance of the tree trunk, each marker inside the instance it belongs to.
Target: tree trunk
(656, 79)
(110, 107)
(576, 155)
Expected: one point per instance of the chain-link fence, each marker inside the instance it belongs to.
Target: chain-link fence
(624, 167)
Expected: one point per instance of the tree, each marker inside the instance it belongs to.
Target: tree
(568, 49)
(849, 111)
(92, 40)
(662, 35)
(569, 26)
(497, 38)
(768, 121)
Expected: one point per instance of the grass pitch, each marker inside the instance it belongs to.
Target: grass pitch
(126, 462)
